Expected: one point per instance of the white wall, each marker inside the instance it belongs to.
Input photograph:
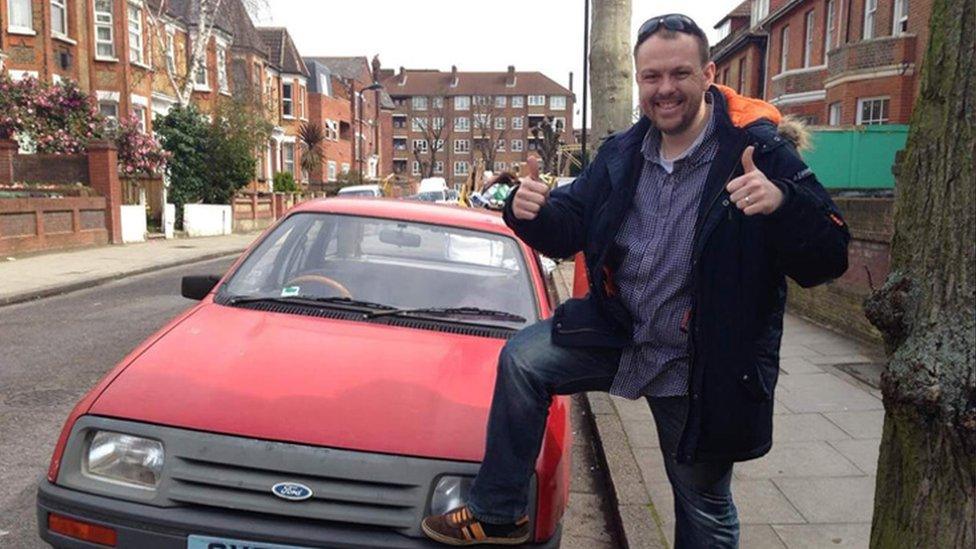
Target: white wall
(133, 223)
(207, 219)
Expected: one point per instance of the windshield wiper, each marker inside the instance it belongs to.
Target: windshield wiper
(356, 304)
(451, 311)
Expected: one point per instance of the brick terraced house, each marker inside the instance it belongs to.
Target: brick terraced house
(829, 62)
(445, 120)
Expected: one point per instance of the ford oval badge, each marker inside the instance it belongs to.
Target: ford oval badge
(292, 491)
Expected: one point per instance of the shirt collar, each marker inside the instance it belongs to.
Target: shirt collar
(694, 155)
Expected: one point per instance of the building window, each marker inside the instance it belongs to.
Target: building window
(59, 17)
(330, 170)
(725, 76)
(288, 157)
(784, 47)
(870, 8)
(872, 111)
(537, 101)
(136, 53)
(462, 103)
(21, 16)
(482, 120)
(104, 30)
(222, 69)
(516, 145)
(345, 167)
(741, 85)
(287, 108)
(559, 124)
(331, 129)
(460, 167)
(437, 123)
(420, 145)
(110, 110)
(518, 122)
(518, 102)
(499, 167)
(462, 124)
(399, 121)
(171, 57)
(437, 102)
(500, 123)
(439, 166)
(462, 146)
(399, 143)
(419, 103)
(500, 145)
(418, 124)
(415, 168)
(808, 40)
(482, 100)
(557, 102)
(830, 27)
(900, 18)
(201, 75)
(500, 101)
(833, 116)
(760, 9)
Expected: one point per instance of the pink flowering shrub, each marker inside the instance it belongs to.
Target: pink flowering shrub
(139, 153)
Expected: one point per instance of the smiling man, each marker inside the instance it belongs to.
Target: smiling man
(689, 222)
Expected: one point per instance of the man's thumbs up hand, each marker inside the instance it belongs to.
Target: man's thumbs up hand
(531, 194)
(752, 192)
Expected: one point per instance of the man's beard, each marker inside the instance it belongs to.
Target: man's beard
(690, 107)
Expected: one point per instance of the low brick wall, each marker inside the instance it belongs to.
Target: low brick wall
(839, 304)
(64, 169)
(36, 224)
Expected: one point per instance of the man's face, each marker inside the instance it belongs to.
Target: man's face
(671, 81)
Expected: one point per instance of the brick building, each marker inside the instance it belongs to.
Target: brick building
(830, 62)
(450, 120)
(287, 86)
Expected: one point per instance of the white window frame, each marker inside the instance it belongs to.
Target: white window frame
(439, 167)
(418, 124)
(518, 101)
(287, 100)
(537, 101)
(114, 104)
(105, 20)
(59, 6)
(899, 17)
(834, 114)
(26, 24)
(829, 28)
(518, 122)
(500, 145)
(222, 83)
(462, 124)
(437, 123)
(808, 39)
(420, 145)
(437, 102)
(171, 50)
(870, 10)
(559, 124)
(482, 120)
(557, 102)
(418, 103)
(133, 25)
(460, 167)
(885, 105)
(415, 167)
(517, 145)
(462, 146)
(344, 167)
(760, 9)
(140, 112)
(481, 100)
(784, 48)
(500, 123)
(501, 101)
(285, 147)
(462, 102)
(331, 129)
(330, 170)
(203, 85)
(499, 166)
(397, 141)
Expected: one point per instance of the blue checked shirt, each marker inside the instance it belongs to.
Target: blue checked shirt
(654, 278)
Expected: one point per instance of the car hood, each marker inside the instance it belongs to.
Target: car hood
(334, 383)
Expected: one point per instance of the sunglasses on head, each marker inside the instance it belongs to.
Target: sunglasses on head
(673, 22)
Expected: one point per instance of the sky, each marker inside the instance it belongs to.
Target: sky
(483, 35)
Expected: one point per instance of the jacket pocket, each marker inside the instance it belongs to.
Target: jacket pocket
(754, 384)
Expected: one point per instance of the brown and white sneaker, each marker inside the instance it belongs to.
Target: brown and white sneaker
(458, 527)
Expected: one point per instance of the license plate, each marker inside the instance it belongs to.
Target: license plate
(206, 542)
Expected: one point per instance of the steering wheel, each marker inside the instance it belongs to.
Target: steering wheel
(321, 279)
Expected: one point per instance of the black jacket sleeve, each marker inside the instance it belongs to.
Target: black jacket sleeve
(807, 232)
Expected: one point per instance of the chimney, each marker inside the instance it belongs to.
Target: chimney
(402, 77)
(454, 76)
(571, 81)
(510, 78)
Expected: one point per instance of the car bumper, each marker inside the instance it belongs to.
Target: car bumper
(145, 526)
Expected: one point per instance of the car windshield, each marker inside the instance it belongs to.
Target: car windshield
(431, 196)
(363, 192)
(390, 262)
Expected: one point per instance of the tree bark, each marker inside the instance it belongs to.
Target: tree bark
(611, 69)
(926, 487)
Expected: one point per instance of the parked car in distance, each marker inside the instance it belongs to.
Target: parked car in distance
(330, 390)
(361, 190)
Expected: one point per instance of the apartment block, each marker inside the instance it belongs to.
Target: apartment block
(829, 62)
(448, 122)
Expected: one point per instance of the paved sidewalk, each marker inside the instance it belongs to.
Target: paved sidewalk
(816, 486)
(59, 272)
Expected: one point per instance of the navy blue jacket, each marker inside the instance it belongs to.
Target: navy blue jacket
(738, 285)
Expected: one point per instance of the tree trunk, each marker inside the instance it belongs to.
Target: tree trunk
(926, 488)
(611, 69)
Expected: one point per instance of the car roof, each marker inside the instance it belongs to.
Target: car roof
(352, 188)
(409, 210)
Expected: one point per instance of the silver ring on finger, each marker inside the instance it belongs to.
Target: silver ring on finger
(748, 200)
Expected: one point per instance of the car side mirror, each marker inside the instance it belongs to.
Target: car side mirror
(198, 286)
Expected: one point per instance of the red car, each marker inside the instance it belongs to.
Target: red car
(330, 391)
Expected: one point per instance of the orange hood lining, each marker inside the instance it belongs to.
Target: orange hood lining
(746, 110)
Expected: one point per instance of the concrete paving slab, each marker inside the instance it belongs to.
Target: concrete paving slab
(860, 424)
(798, 459)
(830, 499)
(641, 433)
(830, 360)
(759, 536)
(632, 409)
(761, 502)
(600, 403)
(799, 365)
(862, 452)
(640, 527)
(839, 347)
(819, 536)
(651, 465)
(663, 499)
(794, 350)
(780, 408)
(624, 472)
(584, 518)
(805, 427)
(823, 393)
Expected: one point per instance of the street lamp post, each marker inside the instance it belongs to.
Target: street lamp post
(357, 112)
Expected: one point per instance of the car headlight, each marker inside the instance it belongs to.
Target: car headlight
(450, 493)
(126, 459)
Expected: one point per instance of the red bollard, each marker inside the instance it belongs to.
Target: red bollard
(581, 283)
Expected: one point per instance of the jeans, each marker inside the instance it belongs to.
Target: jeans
(530, 370)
